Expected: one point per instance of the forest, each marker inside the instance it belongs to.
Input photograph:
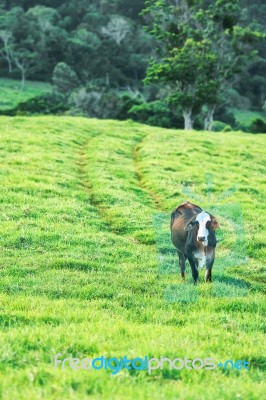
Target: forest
(96, 55)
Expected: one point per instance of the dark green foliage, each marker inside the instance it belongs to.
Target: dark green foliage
(224, 115)
(45, 104)
(75, 33)
(219, 126)
(128, 103)
(96, 102)
(64, 79)
(201, 48)
(85, 36)
(156, 113)
(258, 126)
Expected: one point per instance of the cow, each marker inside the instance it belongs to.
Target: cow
(193, 235)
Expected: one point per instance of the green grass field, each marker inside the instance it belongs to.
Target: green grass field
(80, 268)
(11, 94)
(245, 117)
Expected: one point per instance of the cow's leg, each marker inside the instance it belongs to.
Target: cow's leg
(209, 264)
(208, 275)
(194, 269)
(182, 263)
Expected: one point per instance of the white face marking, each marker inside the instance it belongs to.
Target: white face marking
(202, 219)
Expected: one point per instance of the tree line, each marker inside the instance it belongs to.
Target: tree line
(159, 59)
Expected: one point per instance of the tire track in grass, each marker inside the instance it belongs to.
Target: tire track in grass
(160, 218)
(119, 196)
(82, 163)
(143, 246)
(166, 254)
(140, 178)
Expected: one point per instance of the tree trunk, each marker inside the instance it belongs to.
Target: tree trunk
(208, 121)
(6, 36)
(23, 69)
(9, 62)
(188, 120)
(23, 78)
(107, 79)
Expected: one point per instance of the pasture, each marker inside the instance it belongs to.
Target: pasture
(245, 117)
(80, 269)
(11, 95)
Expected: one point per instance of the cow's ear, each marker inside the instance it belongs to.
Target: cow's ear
(215, 223)
(190, 225)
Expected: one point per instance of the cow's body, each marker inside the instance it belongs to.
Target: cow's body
(193, 235)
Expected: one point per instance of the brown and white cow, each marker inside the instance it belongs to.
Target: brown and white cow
(193, 235)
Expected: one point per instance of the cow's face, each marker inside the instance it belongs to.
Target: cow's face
(207, 224)
(203, 218)
(205, 239)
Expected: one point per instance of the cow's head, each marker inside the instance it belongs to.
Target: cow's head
(207, 224)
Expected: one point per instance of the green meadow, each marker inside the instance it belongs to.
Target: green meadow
(245, 117)
(11, 95)
(84, 240)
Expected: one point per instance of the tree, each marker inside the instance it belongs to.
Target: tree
(24, 60)
(231, 46)
(117, 29)
(44, 17)
(199, 51)
(104, 43)
(186, 72)
(18, 49)
(64, 78)
(6, 37)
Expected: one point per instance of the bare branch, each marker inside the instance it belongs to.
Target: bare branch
(117, 29)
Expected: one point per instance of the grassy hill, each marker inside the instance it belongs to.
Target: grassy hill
(84, 239)
(11, 94)
(245, 117)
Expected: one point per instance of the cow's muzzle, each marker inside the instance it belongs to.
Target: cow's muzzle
(201, 239)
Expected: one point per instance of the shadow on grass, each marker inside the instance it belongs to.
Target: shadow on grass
(225, 286)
